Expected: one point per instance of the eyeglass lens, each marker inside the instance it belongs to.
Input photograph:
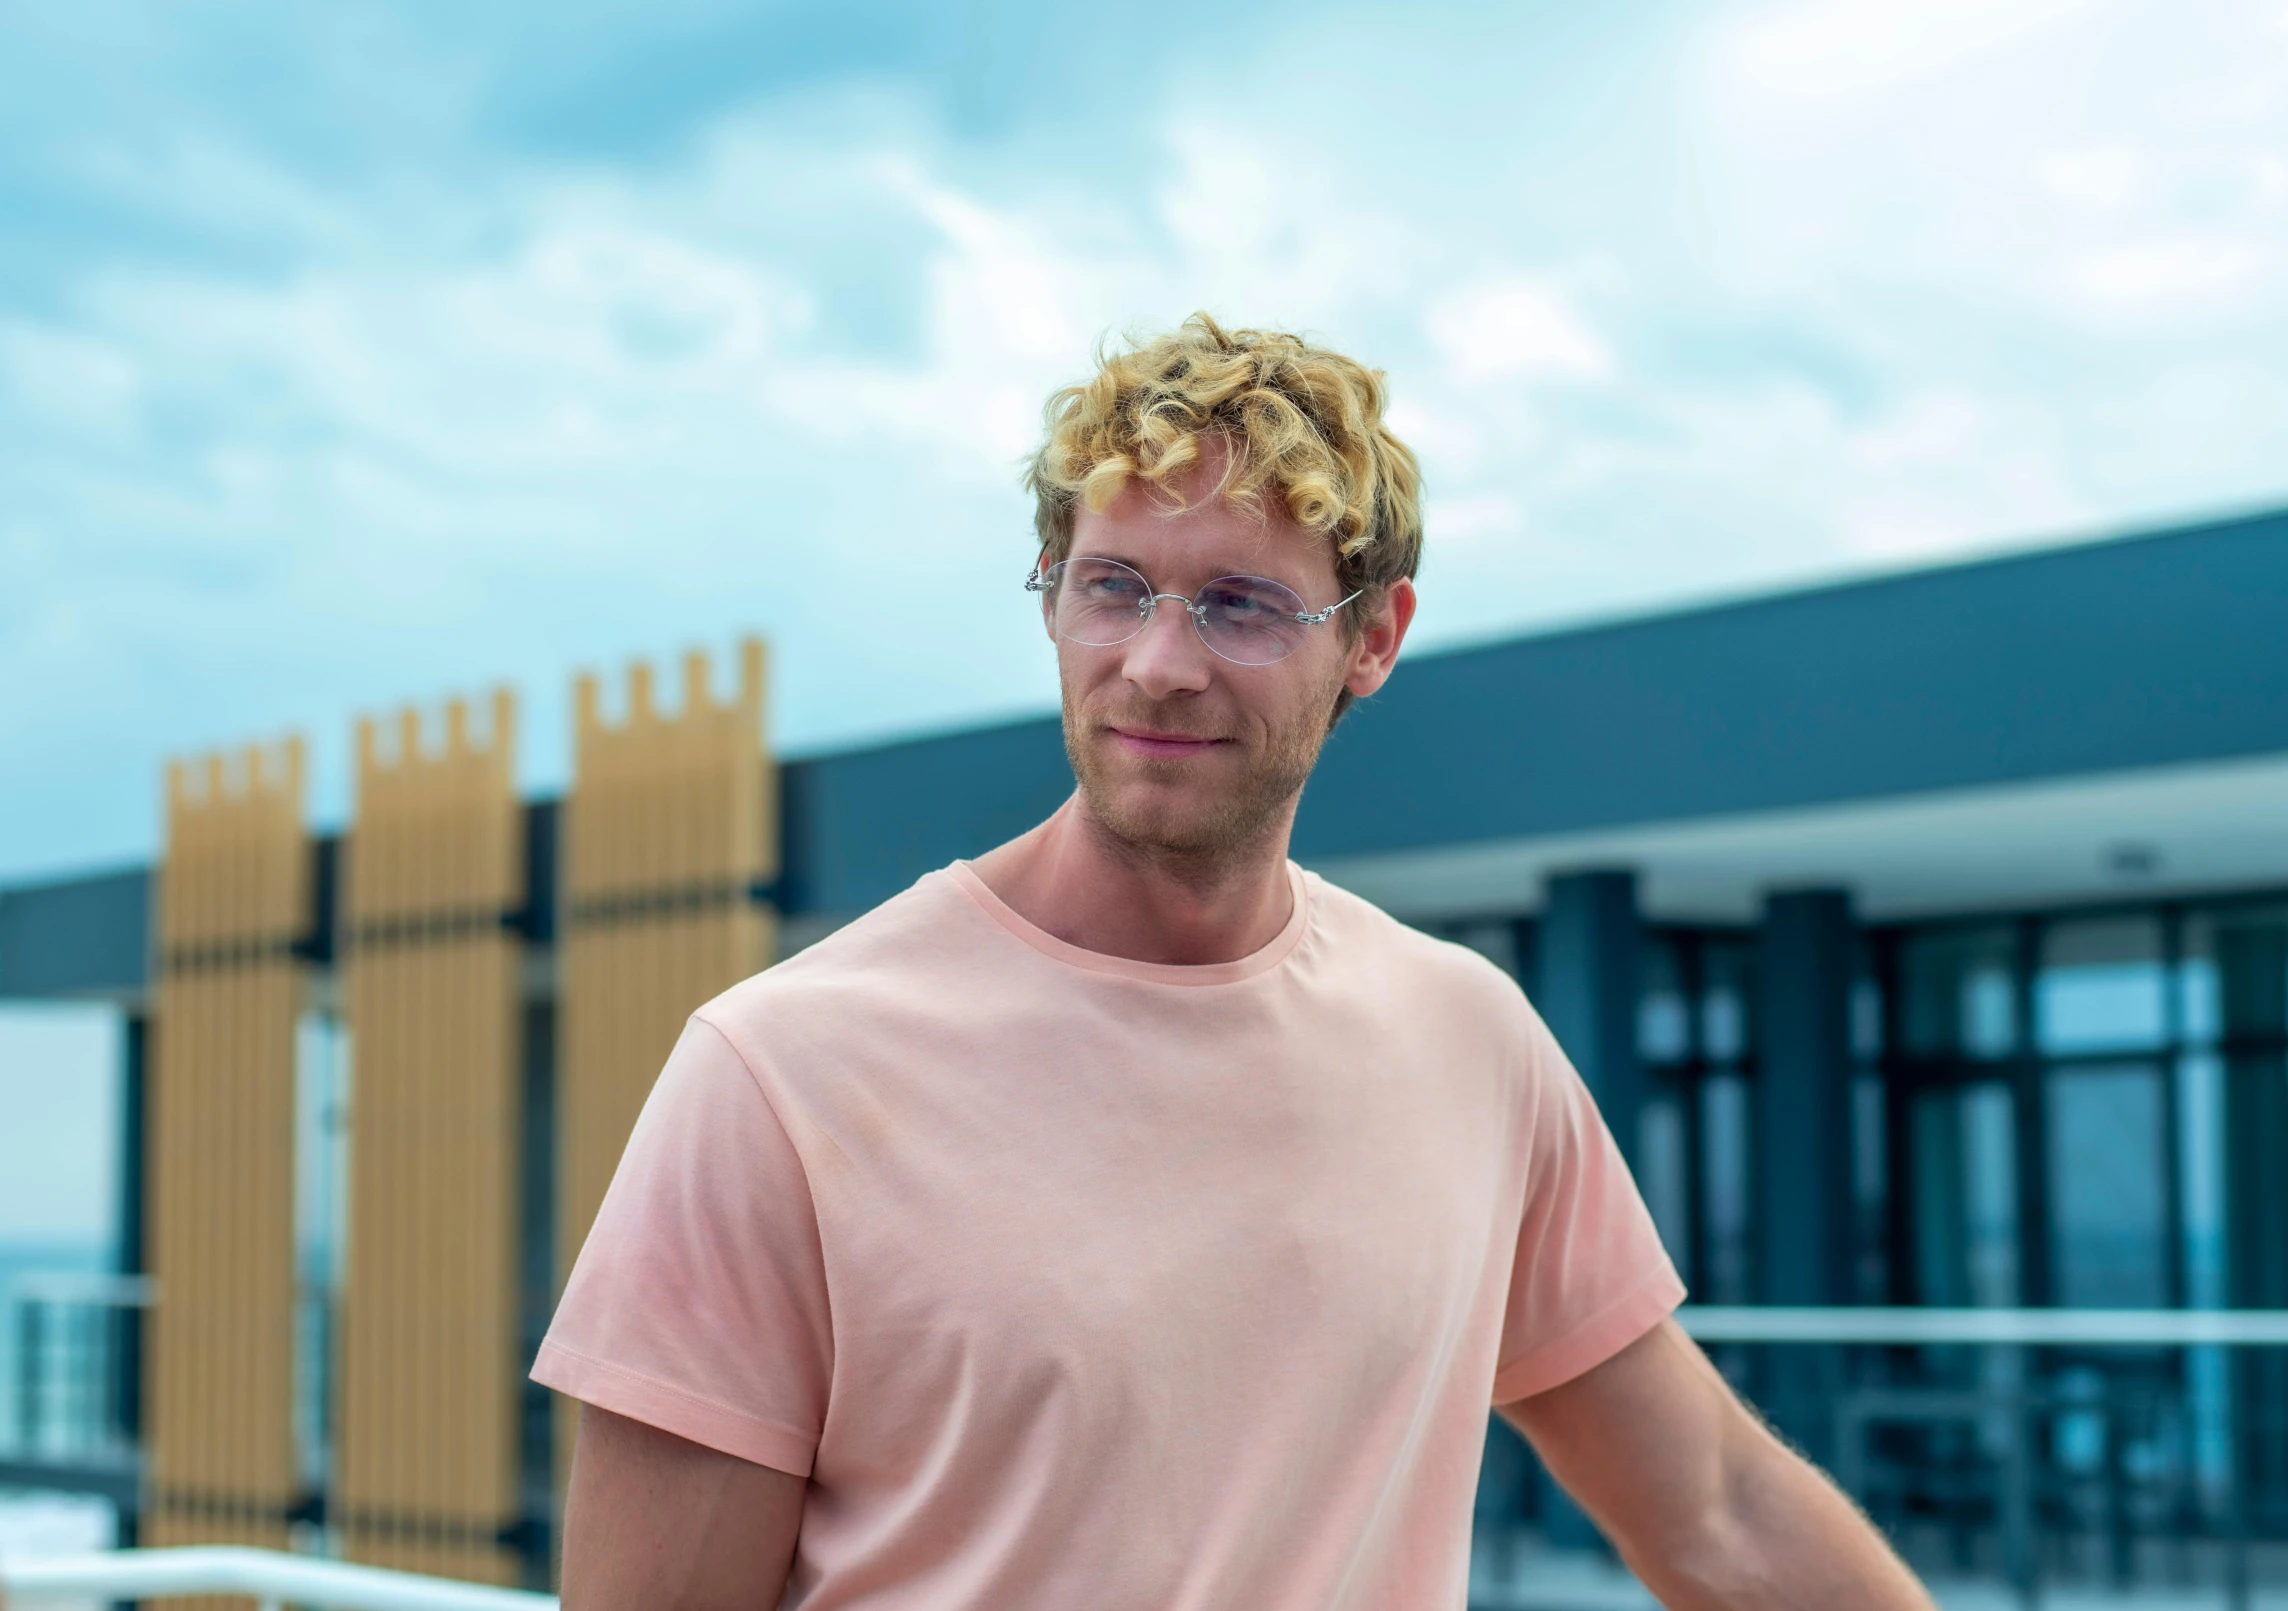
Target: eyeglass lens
(1250, 620)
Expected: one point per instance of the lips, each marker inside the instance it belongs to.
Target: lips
(1162, 745)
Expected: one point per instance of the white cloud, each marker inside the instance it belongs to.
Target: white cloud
(1835, 48)
(2102, 178)
(2174, 272)
(1463, 520)
(1708, 326)
(1521, 328)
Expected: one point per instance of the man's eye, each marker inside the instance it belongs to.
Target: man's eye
(1239, 606)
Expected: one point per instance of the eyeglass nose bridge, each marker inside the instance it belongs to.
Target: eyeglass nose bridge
(1192, 607)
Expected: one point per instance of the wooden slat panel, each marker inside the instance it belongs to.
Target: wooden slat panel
(219, 1366)
(426, 1469)
(670, 828)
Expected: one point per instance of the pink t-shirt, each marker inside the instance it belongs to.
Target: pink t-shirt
(1072, 1281)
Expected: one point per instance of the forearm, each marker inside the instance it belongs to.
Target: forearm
(1709, 1509)
(655, 1523)
(1777, 1536)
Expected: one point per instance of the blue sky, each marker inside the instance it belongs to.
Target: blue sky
(351, 354)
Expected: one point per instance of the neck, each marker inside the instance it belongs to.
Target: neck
(1076, 879)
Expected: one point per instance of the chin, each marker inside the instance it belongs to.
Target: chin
(1158, 816)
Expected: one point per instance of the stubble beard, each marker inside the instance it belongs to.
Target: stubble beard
(1200, 838)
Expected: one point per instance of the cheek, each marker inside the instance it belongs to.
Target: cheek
(1272, 710)
(1311, 692)
(1086, 674)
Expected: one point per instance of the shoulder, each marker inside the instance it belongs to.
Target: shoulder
(1421, 965)
(922, 930)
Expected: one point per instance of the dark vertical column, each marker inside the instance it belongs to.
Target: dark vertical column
(1589, 963)
(1806, 1209)
(1692, 981)
(1902, 1205)
(134, 1161)
(536, 1428)
(2030, 1114)
(2176, 1277)
(2252, 972)
(1806, 1212)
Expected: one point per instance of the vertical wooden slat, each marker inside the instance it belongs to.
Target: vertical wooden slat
(233, 898)
(670, 826)
(427, 1466)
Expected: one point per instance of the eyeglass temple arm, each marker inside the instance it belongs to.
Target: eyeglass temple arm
(1319, 617)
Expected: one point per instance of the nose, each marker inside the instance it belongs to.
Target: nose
(1167, 657)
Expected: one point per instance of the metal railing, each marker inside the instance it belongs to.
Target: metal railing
(2126, 1449)
(2054, 1328)
(271, 1579)
(2024, 1455)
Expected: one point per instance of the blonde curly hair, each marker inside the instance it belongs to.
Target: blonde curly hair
(1300, 424)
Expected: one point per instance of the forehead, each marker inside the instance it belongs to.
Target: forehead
(1209, 536)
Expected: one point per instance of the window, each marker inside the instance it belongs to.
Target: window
(1960, 995)
(2100, 987)
(2108, 1218)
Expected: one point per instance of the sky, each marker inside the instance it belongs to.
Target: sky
(352, 355)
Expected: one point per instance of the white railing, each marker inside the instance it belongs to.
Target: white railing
(263, 1575)
(2032, 1328)
(2078, 1468)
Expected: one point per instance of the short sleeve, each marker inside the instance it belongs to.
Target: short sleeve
(1591, 1276)
(698, 1304)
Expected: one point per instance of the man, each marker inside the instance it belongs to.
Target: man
(1128, 1219)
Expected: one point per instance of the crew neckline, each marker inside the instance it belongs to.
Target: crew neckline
(1259, 961)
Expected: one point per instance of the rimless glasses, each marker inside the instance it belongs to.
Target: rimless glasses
(1248, 620)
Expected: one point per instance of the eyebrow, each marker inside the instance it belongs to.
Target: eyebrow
(1137, 566)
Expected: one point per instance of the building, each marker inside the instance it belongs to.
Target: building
(1924, 938)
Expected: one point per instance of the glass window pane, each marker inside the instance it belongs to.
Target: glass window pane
(2251, 952)
(1665, 1176)
(2108, 1221)
(1959, 998)
(1870, 1184)
(321, 1227)
(1726, 990)
(1965, 1196)
(1941, 1275)
(1867, 1163)
(2199, 1009)
(2200, 1125)
(1664, 1019)
(1664, 1029)
(1866, 1019)
(1724, 1024)
(59, 1147)
(1724, 1186)
(2100, 987)
(1990, 1193)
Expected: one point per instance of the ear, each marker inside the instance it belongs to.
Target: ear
(1376, 650)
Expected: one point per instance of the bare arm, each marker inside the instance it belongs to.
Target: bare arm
(654, 1522)
(1709, 1509)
